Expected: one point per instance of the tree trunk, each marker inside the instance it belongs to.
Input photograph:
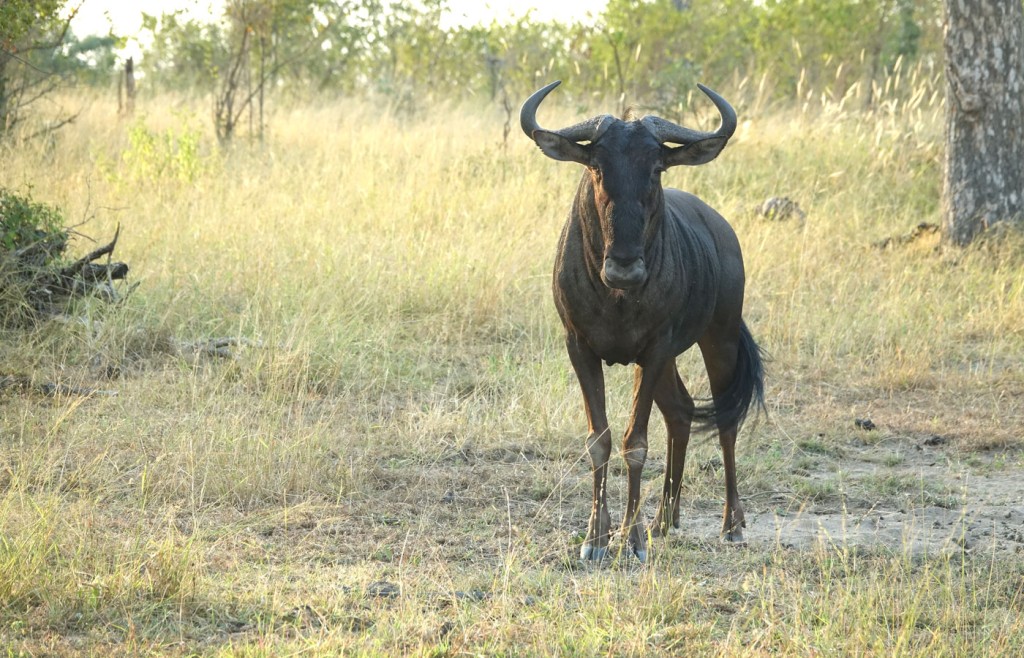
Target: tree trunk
(129, 87)
(984, 168)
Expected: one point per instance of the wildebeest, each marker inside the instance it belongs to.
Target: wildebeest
(642, 273)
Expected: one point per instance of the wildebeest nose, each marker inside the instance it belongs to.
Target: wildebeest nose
(624, 274)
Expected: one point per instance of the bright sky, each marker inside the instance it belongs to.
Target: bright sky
(98, 16)
(469, 12)
(125, 18)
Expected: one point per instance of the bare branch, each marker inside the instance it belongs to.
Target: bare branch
(76, 268)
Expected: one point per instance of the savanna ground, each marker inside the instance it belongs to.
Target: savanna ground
(391, 459)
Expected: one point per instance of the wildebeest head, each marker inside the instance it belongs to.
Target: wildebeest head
(625, 160)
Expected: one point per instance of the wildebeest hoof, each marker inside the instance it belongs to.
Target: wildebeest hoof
(641, 555)
(663, 528)
(734, 537)
(591, 552)
(658, 529)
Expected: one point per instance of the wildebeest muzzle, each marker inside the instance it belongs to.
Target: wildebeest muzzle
(624, 274)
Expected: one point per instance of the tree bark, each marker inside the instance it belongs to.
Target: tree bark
(984, 168)
(129, 87)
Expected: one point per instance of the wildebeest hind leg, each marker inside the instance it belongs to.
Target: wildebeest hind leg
(676, 406)
(720, 358)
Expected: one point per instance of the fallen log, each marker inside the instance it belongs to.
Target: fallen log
(47, 286)
(24, 384)
(81, 276)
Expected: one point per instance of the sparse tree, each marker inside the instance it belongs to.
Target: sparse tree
(39, 55)
(984, 169)
(271, 41)
(26, 26)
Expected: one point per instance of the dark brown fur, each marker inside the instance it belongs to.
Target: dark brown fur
(642, 274)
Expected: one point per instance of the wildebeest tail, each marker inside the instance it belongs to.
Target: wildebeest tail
(746, 389)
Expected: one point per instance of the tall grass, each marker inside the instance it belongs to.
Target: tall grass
(389, 284)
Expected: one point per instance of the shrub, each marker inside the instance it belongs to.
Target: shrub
(29, 231)
(35, 277)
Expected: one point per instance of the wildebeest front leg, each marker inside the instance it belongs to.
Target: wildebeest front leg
(599, 444)
(634, 450)
(676, 406)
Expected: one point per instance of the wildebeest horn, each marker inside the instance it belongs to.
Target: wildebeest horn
(585, 131)
(666, 131)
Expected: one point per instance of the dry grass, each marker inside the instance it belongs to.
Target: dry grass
(402, 419)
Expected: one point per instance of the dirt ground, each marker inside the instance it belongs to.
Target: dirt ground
(928, 502)
(916, 495)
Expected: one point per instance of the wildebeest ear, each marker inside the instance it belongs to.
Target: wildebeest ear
(694, 153)
(560, 148)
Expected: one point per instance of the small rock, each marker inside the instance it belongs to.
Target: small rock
(919, 231)
(358, 624)
(305, 615)
(935, 440)
(448, 498)
(382, 589)
(864, 424)
(780, 208)
(472, 595)
(445, 630)
(712, 465)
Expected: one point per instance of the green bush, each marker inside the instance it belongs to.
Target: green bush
(152, 155)
(27, 227)
(32, 242)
